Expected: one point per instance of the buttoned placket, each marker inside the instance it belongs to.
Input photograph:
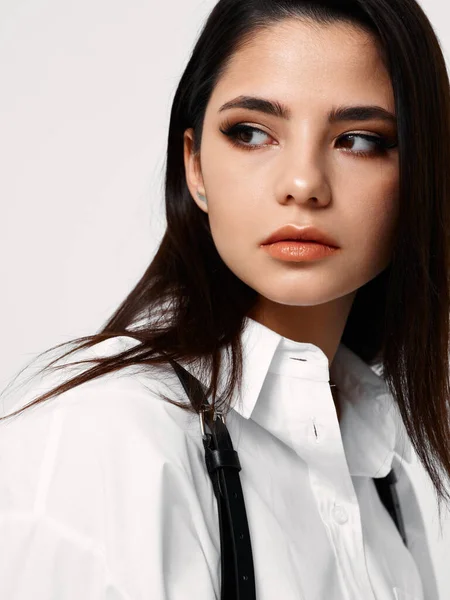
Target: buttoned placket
(333, 488)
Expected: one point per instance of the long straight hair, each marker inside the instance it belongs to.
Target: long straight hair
(192, 303)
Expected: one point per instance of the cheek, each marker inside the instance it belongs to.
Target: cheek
(232, 222)
(375, 227)
(236, 232)
(235, 210)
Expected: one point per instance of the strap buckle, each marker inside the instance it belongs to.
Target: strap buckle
(216, 414)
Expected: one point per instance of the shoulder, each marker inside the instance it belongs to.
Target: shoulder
(111, 422)
(120, 393)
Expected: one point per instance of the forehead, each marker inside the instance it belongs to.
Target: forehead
(305, 62)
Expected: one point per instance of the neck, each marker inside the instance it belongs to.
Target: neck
(321, 325)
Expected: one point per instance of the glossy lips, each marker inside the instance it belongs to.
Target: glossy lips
(305, 234)
(291, 243)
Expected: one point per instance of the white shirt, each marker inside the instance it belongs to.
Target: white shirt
(104, 492)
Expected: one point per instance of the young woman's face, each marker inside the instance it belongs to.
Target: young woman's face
(303, 170)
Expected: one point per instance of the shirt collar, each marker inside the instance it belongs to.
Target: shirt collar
(371, 426)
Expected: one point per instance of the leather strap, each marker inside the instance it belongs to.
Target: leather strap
(222, 462)
(389, 497)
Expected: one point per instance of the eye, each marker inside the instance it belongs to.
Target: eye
(236, 132)
(380, 144)
(368, 145)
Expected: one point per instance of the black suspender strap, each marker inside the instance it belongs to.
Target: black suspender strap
(222, 463)
(389, 497)
(223, 466)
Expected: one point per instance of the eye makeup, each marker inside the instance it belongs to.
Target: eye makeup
(381, 144)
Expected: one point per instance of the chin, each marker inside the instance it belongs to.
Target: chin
(301, 297)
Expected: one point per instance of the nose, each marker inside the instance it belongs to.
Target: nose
(303, 179)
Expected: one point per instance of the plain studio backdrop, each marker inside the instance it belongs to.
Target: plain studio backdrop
(86, 90)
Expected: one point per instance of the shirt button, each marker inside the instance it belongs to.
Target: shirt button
(340, 515)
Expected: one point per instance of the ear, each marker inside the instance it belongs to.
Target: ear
(194, 179)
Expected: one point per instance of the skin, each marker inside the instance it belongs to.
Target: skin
(301, 171)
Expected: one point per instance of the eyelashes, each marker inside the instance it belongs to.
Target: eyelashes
(381, 144)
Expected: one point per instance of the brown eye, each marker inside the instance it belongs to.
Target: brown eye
(365, 144)
(241, 135)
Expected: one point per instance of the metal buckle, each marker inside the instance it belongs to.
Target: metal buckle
(216, 414)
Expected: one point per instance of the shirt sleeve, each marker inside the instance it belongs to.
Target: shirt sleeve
(100, 500)
(40, 559)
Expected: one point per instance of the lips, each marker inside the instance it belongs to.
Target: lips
(304, 234)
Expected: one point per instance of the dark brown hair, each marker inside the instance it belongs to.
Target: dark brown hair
(400, 319)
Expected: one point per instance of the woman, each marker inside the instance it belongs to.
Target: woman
(323, 122)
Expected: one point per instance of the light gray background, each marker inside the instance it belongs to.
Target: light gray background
(86, 89)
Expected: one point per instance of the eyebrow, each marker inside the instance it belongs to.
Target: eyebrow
(336, 115)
